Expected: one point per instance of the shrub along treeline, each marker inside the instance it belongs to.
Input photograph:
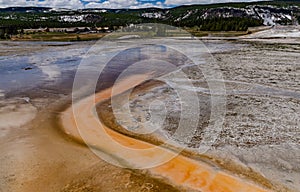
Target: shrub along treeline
(229, 24)
(212, 24)
(40, 24)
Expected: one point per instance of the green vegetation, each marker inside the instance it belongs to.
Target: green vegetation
(222, 24)
(57, 36)
(13, 21)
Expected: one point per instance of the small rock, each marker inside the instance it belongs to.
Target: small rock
(27, 68)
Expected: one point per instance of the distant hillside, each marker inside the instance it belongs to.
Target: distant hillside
(213, 17)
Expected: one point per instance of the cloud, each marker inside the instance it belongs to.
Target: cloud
(77, 4)
(71, 4)
(112, 4)
(7, 3)
(117, 4)
(189, 2)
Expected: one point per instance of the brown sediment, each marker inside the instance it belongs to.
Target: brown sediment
(107, 117)
(44, 158)
(180, 170)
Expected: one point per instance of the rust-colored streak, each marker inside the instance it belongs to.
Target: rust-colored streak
(181, 170)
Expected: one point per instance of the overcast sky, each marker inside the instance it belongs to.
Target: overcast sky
(115, 4)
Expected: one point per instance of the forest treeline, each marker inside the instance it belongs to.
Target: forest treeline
(14, 20)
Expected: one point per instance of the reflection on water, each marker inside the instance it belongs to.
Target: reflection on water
(16, 73)
(25, 65)
(141, 60)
